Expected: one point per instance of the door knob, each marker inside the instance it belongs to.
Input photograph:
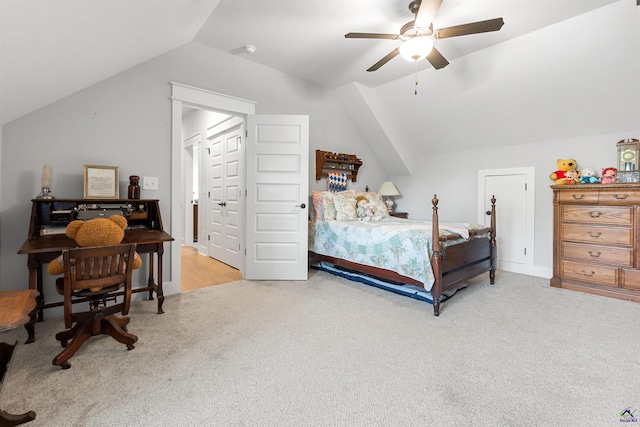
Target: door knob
(222, 204)
(488, 212)
(301, 206)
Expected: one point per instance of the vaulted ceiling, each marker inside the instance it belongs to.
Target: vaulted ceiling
(52, 48)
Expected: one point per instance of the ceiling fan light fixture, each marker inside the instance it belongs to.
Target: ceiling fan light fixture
(416, 48)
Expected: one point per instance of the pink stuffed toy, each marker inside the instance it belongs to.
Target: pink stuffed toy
(608, 176)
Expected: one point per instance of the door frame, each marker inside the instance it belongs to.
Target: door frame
(201, 98)
(529, 172)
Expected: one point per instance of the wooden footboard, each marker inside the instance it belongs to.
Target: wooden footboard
(462, 262)
(452, 266)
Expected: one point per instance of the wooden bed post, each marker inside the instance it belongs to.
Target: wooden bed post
(436, 289)
(494, 249)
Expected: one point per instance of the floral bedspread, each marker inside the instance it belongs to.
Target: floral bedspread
(400, 245)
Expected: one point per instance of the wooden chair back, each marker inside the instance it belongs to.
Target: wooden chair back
(97, 272)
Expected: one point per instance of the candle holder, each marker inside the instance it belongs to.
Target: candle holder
(45, 194)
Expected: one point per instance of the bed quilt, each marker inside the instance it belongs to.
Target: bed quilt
(396, 244)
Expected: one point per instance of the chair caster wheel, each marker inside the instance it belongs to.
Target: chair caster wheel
(130, 347)
(64, 344)
(63, 365)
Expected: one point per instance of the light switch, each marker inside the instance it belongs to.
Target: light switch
(150, 183)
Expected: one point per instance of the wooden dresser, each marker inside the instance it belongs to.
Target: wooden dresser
(596, 239)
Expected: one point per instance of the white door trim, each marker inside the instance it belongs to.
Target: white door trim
(529, 267)
(181, 93)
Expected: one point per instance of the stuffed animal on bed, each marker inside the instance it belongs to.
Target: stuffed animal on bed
(589, 176)
(365, 210)
(94, 232)
(564, 166)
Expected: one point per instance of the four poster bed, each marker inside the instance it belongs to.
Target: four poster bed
(434, 257)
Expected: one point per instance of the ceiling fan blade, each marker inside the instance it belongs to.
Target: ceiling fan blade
(370, 36)
(384, 60)
(471, 28)
(436, 59)
(426, 12)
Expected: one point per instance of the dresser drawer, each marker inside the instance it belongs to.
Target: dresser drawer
(578, 196)
(598, 214)
(595, 234)
(631, 279)
(599, 275)
(619, 197)
(602, 254)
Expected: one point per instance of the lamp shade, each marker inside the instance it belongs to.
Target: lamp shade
(388, 189)
(416, 48)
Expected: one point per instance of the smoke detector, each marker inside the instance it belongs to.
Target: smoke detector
(249, 48)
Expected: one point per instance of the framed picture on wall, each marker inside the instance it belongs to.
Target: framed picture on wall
(101, 182)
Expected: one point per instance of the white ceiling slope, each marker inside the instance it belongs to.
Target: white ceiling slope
(52, 48)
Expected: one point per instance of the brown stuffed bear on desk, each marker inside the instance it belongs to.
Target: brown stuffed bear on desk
(94, 232)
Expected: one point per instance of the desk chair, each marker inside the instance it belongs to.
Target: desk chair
(95, 275)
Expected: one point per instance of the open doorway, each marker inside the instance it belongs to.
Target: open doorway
(211, 199)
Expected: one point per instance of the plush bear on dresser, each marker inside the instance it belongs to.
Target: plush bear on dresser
(564, 167)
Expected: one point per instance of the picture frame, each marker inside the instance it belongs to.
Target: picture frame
(101, 182)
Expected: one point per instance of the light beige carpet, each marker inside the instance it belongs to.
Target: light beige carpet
(329, 352)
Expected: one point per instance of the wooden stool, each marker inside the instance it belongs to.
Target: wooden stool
(17, 308)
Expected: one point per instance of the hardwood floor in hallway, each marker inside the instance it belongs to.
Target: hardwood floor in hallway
(199, 271)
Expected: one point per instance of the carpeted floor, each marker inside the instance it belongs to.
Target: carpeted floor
(330, 352)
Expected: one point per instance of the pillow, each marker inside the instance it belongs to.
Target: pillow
(318, 207)
(328, 208)
(345, 204)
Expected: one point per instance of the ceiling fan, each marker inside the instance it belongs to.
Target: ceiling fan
(417, 36)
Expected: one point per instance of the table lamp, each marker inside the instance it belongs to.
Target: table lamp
(387, 191)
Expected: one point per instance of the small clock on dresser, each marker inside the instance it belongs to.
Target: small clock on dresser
(628, 160)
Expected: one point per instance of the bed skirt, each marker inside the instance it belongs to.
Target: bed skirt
(399, 288)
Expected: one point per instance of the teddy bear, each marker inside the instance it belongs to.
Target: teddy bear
(588, 176)
(564, 165)
(94, 232)
(608, 176)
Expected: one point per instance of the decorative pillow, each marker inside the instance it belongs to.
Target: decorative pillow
(318, 206)
(328, 208)
(345, 204)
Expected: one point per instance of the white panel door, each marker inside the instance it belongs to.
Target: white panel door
(514, 211)
(232, 206)
(277, 194)
(225, 174)
(214, 233)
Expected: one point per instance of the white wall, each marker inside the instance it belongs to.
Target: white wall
(454, 178)
(125, 121)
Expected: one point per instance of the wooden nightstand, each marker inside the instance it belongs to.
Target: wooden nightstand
(404, 215)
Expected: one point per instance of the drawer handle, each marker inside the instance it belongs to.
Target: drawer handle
(578, 197)
(620, 196)
(594, 235)
(591, 274)
(597, 255)
(595, 214)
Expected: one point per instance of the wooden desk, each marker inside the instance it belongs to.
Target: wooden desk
(15, 310)
(44, 249)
